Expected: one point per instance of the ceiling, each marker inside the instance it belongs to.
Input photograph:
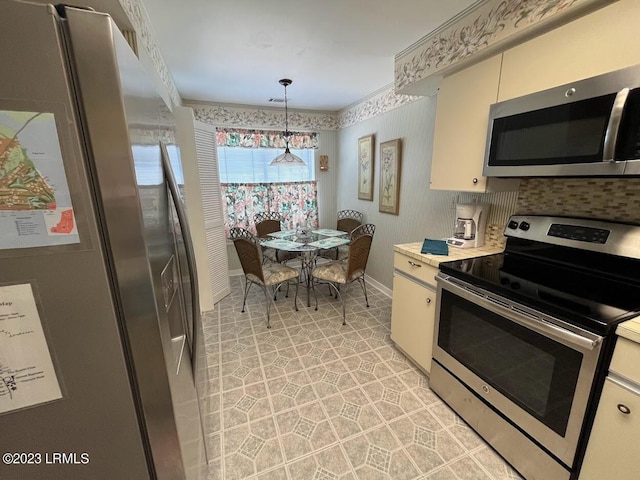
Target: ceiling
(337, 52)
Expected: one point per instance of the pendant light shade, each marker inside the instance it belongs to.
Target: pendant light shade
(287, 158)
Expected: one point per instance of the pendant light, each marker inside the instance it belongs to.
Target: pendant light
(287, 158)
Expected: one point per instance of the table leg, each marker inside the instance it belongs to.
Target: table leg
(307, 260)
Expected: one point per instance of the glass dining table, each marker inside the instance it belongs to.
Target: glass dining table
(307, 243)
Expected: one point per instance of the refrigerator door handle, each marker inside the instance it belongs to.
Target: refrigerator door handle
(177, 344)
(186, 234)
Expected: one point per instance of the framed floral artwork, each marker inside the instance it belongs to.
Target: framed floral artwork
(390, 163)
(365, 168)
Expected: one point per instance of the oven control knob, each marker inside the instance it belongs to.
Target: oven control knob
(524, 226)
(486, 389)
(515, 286)
(513, 225)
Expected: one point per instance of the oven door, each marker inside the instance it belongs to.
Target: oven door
(535, 370)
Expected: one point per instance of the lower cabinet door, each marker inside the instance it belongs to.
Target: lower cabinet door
(412, 319)
(612, 451)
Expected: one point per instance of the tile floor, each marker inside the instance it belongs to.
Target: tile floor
(312, 399)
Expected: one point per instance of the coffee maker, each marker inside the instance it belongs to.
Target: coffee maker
(469, 228)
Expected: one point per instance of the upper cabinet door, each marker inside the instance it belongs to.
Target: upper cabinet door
(462, 117)
(600, 42)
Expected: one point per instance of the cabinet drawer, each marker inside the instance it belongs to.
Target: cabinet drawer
(417, 269)
(626, 359)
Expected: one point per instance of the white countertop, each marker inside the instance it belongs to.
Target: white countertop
(413, 250)
(630, 329)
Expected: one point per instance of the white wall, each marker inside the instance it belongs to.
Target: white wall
(424, 213)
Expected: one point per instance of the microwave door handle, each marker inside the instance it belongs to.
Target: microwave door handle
(611, 135)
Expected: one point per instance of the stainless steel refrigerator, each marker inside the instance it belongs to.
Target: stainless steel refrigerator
(102, 362)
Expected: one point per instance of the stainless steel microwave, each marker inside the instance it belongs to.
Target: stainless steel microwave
(587, 128)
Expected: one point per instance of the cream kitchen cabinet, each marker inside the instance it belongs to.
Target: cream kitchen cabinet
(612, 450)
(600, 42)
(413, 308)
(462, 116)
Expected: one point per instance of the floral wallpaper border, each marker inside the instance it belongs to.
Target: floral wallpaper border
(484, 26)
(376, 104)
(255, 117)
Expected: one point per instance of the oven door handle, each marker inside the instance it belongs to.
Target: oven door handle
(570, 336)
(516, 313)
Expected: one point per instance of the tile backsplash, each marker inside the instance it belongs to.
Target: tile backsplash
(616, 199)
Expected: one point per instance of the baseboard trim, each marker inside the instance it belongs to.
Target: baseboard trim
(374, 283)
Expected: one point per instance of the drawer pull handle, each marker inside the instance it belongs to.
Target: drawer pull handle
(414, 264)
(428, 300)
(624, 409)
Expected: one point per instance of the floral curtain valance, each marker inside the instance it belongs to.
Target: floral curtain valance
(264, 139)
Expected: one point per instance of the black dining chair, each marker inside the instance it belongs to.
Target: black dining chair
(339, 274)
(271, 275)
(266, 223)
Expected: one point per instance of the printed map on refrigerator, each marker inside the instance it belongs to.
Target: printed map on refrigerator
(35, 204)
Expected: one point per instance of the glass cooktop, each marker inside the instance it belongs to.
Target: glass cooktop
(594, 291)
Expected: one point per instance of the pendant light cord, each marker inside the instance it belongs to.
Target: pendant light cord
(286, 117)
(287, 158)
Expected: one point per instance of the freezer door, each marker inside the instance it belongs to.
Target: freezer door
(124, 120)
(72, 285)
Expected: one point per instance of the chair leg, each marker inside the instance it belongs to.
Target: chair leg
(295, 298)
(313, 287)
(336, 287)
(268, 300)
(276, 288)
(343, 296)
(247, 284)
(364, 289)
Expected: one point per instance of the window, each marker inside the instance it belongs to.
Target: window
(148, 166)
(251, 165)
(249, 185)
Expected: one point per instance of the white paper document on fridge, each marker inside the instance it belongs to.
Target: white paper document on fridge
(27, 375)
